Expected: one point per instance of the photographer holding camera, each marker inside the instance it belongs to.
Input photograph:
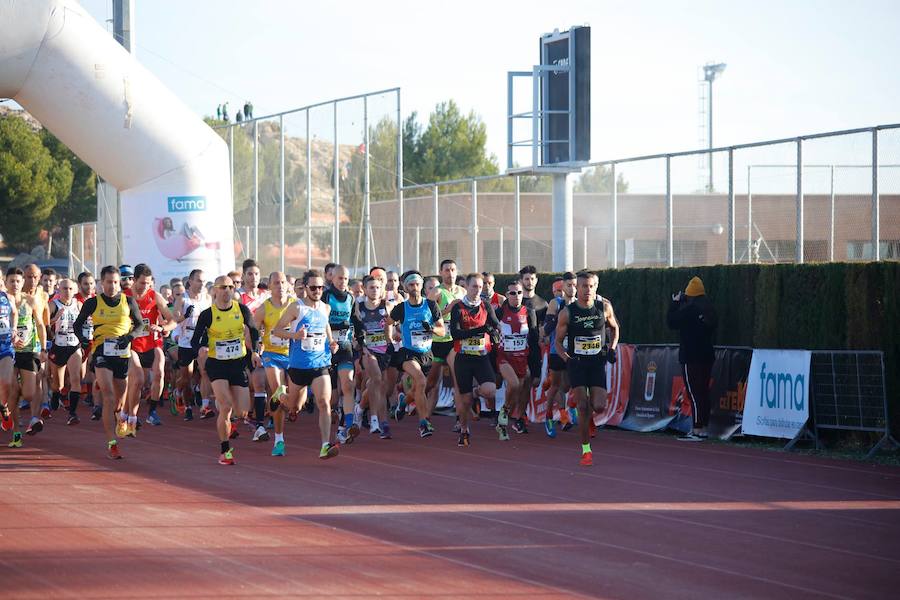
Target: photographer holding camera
(693, 315)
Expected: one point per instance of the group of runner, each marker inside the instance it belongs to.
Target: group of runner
(242, 349)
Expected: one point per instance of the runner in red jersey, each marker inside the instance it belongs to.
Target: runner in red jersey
(253, 298)
(147, 357)
(489, 294)
(518, 339)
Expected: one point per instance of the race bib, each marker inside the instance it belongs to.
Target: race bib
(515, 343)
(110, 349)
(22, 332)
(228, 349)
(143, 330)
(341, 336)
(87, 330)
(588, 345)
(375, 338)
(66, 339)
(421, 340)
(4, 327)
(313, 342)
(473, 345)
(277, 342)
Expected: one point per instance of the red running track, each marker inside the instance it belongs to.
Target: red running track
(654, 518)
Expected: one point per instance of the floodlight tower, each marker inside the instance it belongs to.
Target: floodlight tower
(710, 72)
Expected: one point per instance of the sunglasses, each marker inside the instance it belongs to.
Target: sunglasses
(225, 287)
(519, 293)
(314, 288)
(128, 277)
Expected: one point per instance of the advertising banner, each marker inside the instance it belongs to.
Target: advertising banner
(618, 384)
(654, 372)
(777, 401)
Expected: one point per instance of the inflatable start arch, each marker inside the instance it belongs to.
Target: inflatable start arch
(170, 168)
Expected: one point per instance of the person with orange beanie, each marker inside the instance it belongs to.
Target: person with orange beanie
(693, 315)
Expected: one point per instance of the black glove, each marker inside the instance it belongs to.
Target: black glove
(123, 341)
(426, 326)
(611, 356)
(189, 312)
(495, 337)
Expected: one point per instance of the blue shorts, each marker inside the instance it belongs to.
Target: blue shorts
(271, 360)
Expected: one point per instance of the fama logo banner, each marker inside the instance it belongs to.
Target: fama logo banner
(777, 401)
(179, 204)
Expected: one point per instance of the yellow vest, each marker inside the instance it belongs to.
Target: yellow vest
(273, 314)
(111, 322)
(226, 333)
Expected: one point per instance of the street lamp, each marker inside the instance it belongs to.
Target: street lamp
(710, 72)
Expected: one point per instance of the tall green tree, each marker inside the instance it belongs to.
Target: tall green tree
(81, 203)
(32, 183)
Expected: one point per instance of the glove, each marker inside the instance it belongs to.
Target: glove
(426, 326)
(189, 312)
(495, 337)
(123, 341)
(611, 356)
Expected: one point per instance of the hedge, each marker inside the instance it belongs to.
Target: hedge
(831, 306)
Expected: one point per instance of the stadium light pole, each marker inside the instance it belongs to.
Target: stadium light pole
(710, 72)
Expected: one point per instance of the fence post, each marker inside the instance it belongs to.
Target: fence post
(95, 268)
(336, 244)
(366, 191)
(474, 225)
(500, 270)
(749, 218)
(876, 205)
(308, 195)
(255, 189)
(670, 225)
(231, 162)
(731, 208)
(400, 265)
(281, 213)
(72, 272)
(800, 232)
(81, 248)
(615, 218)
(584, 248)
(418, 242)
(517, 200)
(435, 250)
(831, 220)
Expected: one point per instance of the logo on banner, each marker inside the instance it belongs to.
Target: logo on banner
(180, 204)
(776, 402)
(650, 382)
(782, 390)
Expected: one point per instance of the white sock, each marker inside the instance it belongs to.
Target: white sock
(279, 437)
(132, 420)
(205, 403)
(123, 416)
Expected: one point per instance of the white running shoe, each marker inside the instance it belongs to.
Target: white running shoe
(260, 435)
(373, 425)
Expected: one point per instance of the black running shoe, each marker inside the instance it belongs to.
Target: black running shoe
(188, 414)
(463, 440)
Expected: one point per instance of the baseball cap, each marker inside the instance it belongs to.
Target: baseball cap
(126, 271)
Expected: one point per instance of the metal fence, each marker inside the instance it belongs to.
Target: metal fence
(323, 184)
(84, 253)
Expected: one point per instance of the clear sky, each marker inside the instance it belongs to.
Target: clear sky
(794, 67)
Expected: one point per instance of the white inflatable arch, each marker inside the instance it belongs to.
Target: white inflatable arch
(169, 166)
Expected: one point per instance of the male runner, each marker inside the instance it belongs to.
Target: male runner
(65, 350)
(472, 324)
(372, 335)
(253, 297)
(275, 350)
(583, 325)
(87, 288)
(147, 347)
(445, 295)
(528, 277)
(418, 319)
(340, 300)
(187, 309)
(29, 350)
(519, 337)
(494, 298)
(31, 286)
(114, 316)
(225, 328)
(393, 291)
(305, 323)
(49, 280)
(8, 316)
(556, 367)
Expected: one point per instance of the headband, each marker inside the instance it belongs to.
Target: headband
(413, 278)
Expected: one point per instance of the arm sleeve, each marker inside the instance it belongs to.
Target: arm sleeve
(135, 310)
(435, 310)
(492, 321)
(533, 337)
(359, 328)
(549, 321)
(248, 319)
(675, 315)
(87, 309)
(203, 323)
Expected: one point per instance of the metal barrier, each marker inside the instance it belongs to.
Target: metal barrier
(84, 254)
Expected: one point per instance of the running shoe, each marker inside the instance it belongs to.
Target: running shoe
(343, 437)
(173, 408)
(456, 426)
(54, 404)
(549, 428)
(260, 435)
(207, 413)
(131, 430)
(46, 413)
(278, 449)
(689, 437)
(519, 426)
(503, 417)
(188, 413)
(400, 409)
(35, 427)
(227, 458)
(573, 415)
(275, 398)
(358, 414)
(502, 431)
(234, 432)
(154, 419)
(374, 427)
(112, 451)
(463, 440)
(329, 451)
(587, 459)
(352, 432)
(73, 420)
(429, 425)
(97, 412)
(6, 422)
(424, 432)
(24, 404)
(16, 441)
(385, 432)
